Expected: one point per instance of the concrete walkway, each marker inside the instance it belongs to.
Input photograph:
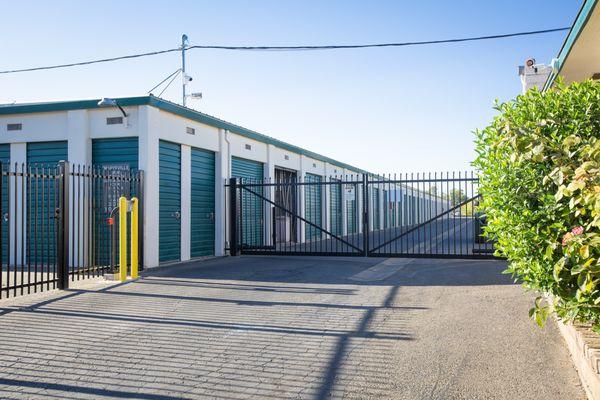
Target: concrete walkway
(287, 328)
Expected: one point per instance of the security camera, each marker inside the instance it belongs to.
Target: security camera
(530, 62)
(187, 79)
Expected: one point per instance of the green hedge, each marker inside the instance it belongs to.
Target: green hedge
(540, 180)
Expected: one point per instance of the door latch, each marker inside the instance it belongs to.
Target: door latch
(176, 215)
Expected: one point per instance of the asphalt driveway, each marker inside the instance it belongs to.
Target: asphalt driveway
(287, 328)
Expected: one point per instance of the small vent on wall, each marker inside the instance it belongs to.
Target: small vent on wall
(190, 131)
(114, 120)
(14, 127)
(314, 165)
(248, 147)
(335, 171)
(286, 157)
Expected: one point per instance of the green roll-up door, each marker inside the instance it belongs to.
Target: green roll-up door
(335, 208)
(312, 194)
(117, 151)
(202, 239)
(169, 165)
(251, 206)
(45, 156)
(47, 153)
(111, 156)
(375, 206)
(5, 160)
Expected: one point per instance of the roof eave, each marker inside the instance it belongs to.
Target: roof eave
(578, 25)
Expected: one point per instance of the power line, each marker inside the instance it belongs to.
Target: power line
(291, 48)
(77, 64)
(363, 46)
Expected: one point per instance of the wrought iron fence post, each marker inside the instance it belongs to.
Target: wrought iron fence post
(365, 215)
(62, 269)
(233, 245)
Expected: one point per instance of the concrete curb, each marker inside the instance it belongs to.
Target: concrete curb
(584, 346)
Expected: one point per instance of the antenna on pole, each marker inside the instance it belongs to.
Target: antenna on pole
(185, 78)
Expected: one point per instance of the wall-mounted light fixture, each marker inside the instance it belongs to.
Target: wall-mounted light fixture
(106, 102)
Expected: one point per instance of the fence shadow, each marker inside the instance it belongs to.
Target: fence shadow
(184, 336)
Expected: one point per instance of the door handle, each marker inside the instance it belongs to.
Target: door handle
(176, 215)
(5, 217)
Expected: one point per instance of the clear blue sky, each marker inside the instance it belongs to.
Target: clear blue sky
(385, 110)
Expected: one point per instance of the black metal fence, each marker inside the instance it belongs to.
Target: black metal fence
(406, 215)
(56, 223)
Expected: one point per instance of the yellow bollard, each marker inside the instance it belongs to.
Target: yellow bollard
(134, 237)
(122, 238)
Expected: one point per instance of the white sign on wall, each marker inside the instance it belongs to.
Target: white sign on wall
(116, 183)
(349, 192)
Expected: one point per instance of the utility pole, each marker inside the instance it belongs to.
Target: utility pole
(184, 44)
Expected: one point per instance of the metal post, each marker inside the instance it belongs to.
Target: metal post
(63, 227)
(134, 238)
(140, 196)
(122, 238)
(184, 40)
(273, 228)
(365, 215)
(233, 233)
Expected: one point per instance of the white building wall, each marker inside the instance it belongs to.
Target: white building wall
(18, 155)
(100, 130)
(269, 193)
(186, 201)
(148, 162)
(41, 127)
(79, 154)
(222, 174)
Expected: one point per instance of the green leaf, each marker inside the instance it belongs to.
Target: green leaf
(584, 251)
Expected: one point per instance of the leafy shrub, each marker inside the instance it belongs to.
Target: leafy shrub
(540, 180)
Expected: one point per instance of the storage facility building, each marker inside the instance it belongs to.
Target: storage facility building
(186, 157)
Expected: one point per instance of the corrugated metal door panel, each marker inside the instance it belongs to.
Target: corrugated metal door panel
(252, 207)
(116, 151)
(312, 194)
(335, 208)
(119, 153)
(169, 165)
(5, 160)
(202, 203)
(45, 155)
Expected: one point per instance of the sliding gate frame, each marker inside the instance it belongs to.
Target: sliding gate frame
(419, 216)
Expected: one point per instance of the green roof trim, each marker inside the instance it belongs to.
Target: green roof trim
(165, 105)
(580, 21)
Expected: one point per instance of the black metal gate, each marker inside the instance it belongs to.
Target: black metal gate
(411, 215)
(55, 223)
